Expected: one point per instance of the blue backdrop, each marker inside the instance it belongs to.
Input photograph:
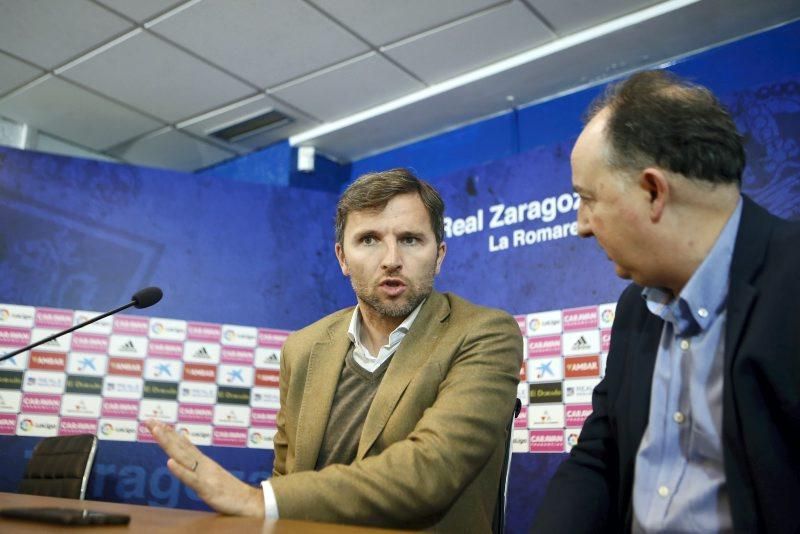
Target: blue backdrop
(85, 235)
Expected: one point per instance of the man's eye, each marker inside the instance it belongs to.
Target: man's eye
(410, 240)
(368, 240)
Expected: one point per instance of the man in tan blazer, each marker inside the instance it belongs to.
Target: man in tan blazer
(394, 412)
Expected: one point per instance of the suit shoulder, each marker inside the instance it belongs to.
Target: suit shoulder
(461, 308)
(318, 330)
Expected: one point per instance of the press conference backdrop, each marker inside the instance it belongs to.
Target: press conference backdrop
(79, 235)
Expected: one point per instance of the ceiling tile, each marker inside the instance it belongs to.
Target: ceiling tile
(406, 18)
(14, 73)
(264, 42)
(252, 107)
(50, 33)
(569, 17)
(158, 78)
(69, 112)
(454, 49)
(171, 149)
(355, 86)
(141, 10)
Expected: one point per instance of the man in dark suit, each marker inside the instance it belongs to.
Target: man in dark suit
(694, 426)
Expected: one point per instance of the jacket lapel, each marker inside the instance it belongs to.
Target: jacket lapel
(322, 376)
(414, 351)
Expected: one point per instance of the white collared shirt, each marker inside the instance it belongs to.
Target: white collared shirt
(361, 353)
(362, 357)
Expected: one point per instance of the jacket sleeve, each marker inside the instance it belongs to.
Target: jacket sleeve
(416, 479)
(280, 443)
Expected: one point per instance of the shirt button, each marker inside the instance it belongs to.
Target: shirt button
(663, 491)
(684, 344)
(678, 417)
(702, 312)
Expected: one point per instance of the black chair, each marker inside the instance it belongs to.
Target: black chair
(499, 523)
(60, 467)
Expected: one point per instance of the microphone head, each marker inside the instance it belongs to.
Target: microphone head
(146, 297)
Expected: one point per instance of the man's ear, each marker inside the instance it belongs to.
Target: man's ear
(339, 250)
(440, 252)
(655, 183)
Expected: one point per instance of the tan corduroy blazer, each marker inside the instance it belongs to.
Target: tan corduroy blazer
(432, 445)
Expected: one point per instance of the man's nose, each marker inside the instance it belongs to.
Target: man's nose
(391, 259)
(584, 228)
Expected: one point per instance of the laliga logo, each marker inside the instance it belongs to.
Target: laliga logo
(4, 314)
(572, 439)
(230, 335)
(256, 438)
(25, 425)
(107, 429)
(608, 316)
(535, 324)
(157, 328)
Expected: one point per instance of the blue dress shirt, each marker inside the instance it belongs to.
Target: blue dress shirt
(679, 481)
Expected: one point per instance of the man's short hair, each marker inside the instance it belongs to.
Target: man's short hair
(658, 119)
(371, 192)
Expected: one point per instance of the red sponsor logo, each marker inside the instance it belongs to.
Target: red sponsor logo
(199, 372)
(581, 366)
(605, 339)
(166, 349)
(195, 413)
(546, 441)
(229, 437)
(143, 433)
(8, 424)
(544, 346)
(580, 318)
(125, 366)
(237, 355)
(576, 414)
(268, 337)
(267, 377)
(50, 361)
(135, 326)
(203, 331)
(522, 419)
(89, 343)
(120, 408)
(52, 318)
(14, 337)
(69, 426)
(263, 417)
(33, 403)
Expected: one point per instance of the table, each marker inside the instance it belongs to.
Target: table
(153, 520)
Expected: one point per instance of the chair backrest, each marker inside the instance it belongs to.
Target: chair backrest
(60, 466)
(499, 523)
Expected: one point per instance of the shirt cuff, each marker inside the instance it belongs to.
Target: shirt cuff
(270, 504)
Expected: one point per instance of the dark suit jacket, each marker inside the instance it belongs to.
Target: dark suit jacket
(432, 446)
(592, 490)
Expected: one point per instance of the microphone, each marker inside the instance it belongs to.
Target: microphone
(144, 298)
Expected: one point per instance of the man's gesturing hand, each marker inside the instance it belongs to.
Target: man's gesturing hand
(218, 488)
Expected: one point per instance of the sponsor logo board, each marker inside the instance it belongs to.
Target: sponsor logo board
(122, 387)
(267, 358)
(235, 375)
(576, 414)
(163, 370)
(59, 344)
(161, 410)
(83, 342)
(230, 415)
(70, 427)
(546, 441)
(14, 337)
(160, 390)
(229, 437)
(10, 401)
(546, 392)
(263, 418)
(195, 413)
(546, 416)
(91, 385)
(582, 366)
(197, 393)
(269, 337)
(85, 363)
(37, 425)
(165, 349)
(579, 391)
(120, 408)
(201, 352)
(125, 366)
(581, 342)
(17, 316)
(544, 323)
(8, 424)
(117, 429)
(545, 369)
(239, 336)
(126, 346)
(169, 329)
(197, 434)
(44, 382)
(102, 327)
(261, 438)
(11, 379)
(269, 398)
(544, 346)
(129, 325)
(37, 403)
(53, 318)
(204, 332)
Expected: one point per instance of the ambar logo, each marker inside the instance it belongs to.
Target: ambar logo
(84, 384)
(547, 392)
(48, 360)
(202, 373)
(582, 366)
(160, 390)
(125, 366)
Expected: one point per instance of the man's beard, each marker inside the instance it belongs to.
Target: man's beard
(400, 307)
